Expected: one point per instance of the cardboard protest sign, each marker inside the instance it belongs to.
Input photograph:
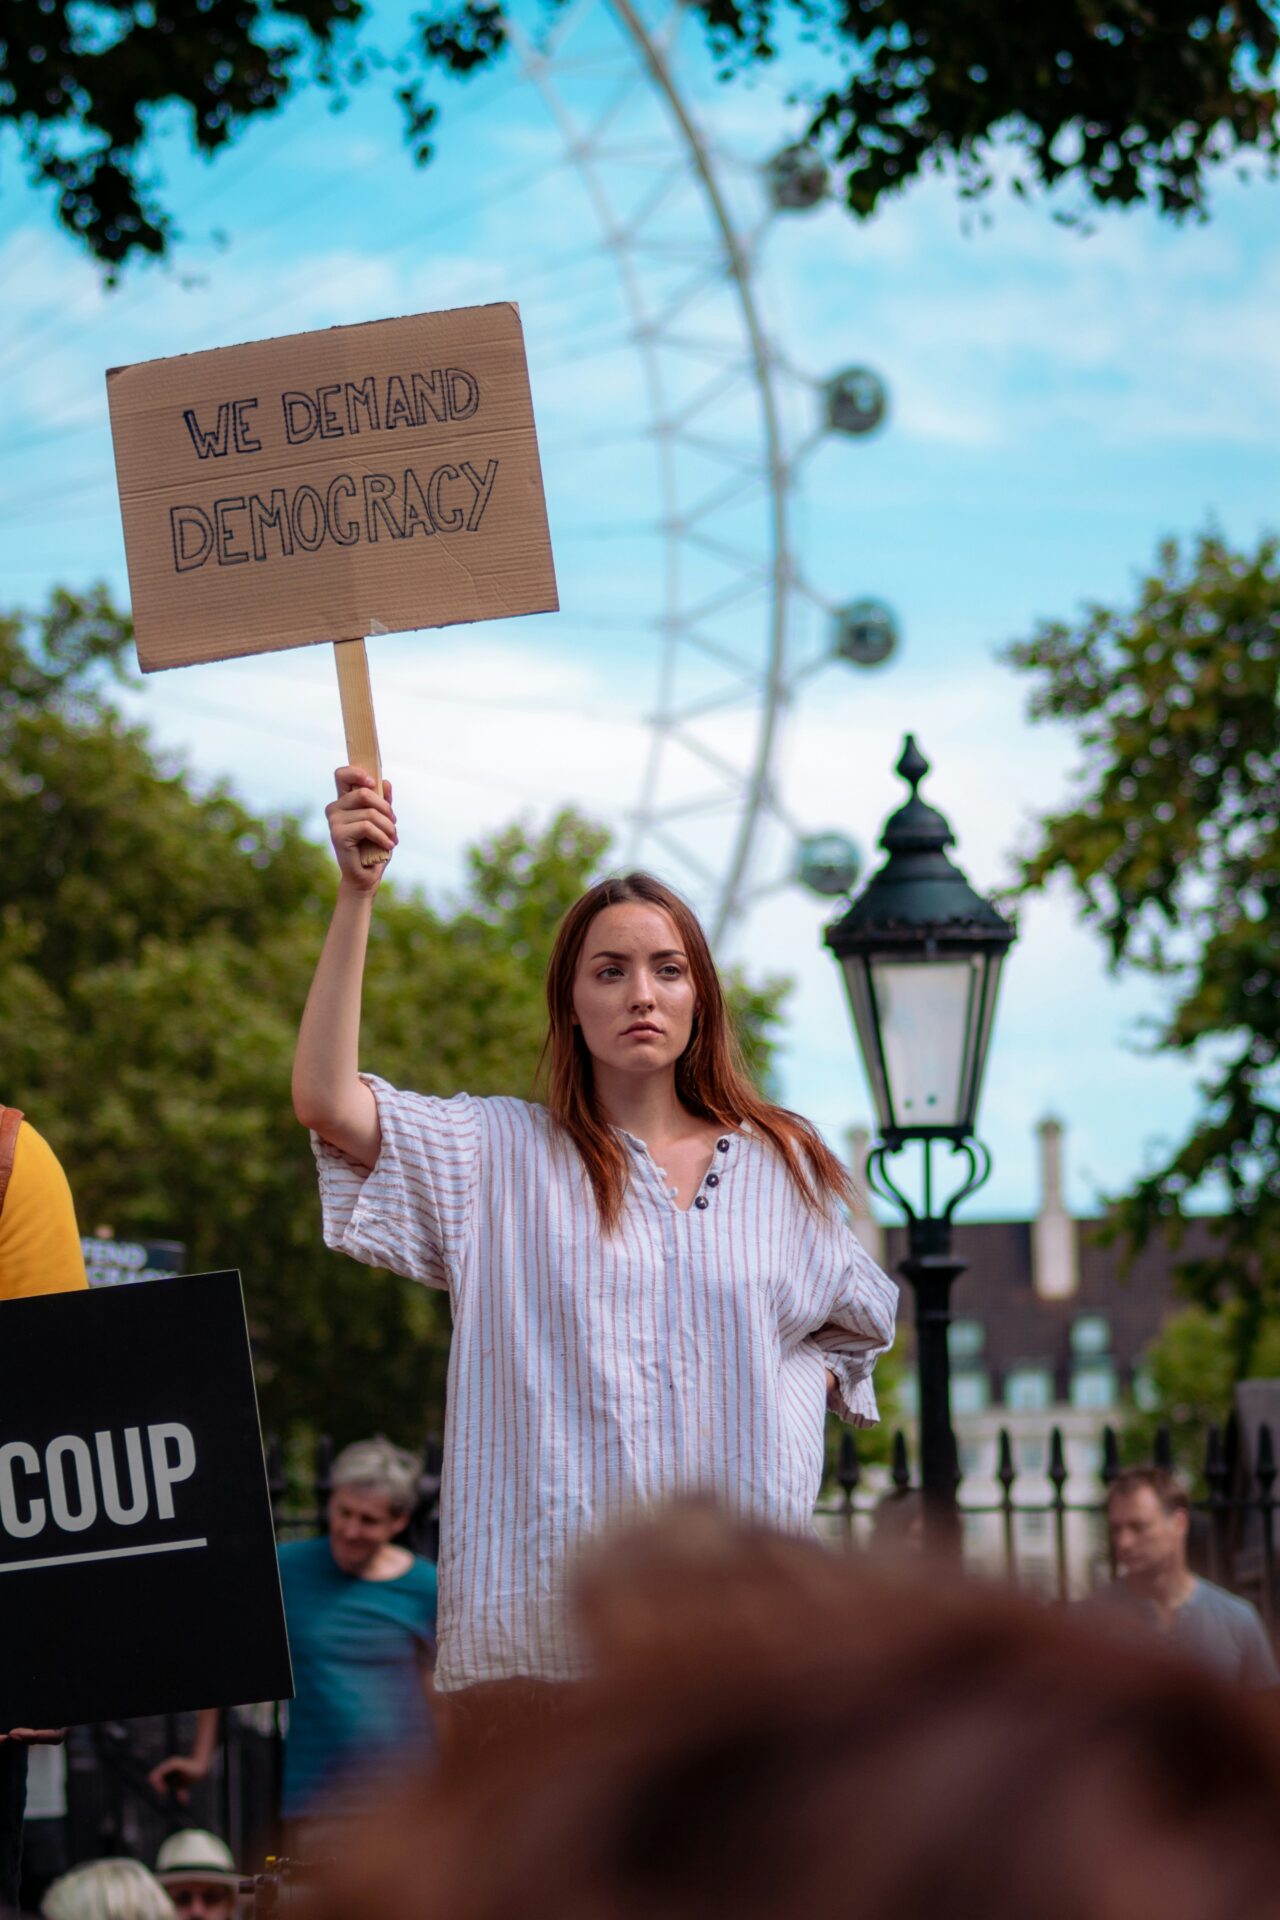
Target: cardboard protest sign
(137, 1554)
(109, 1262)
(327, 486)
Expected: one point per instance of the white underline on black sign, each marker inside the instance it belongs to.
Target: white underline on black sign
(108, 1553)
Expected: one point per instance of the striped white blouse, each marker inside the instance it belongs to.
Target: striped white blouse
(593, 1374)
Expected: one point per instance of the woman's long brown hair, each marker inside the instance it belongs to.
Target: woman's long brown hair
(711, 1079)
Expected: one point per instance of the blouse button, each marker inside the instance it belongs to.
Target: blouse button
(722, 1146)
(701, 1203)
(713, 1179)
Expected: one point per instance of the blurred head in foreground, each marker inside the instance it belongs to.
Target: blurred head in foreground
(107, 1890)
(774, 1730)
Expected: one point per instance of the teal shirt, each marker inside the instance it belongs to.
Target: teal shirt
(358, 1649)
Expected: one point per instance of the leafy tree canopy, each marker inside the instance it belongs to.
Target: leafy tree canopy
(1131, 102)
(156, 945)
(1172, 848)
(1190, 1371)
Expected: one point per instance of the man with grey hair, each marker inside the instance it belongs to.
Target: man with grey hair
(361, 1613)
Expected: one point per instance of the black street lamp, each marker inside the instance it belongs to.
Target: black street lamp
(921, 954)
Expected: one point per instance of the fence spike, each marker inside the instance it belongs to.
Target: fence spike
(1265, 1470)
(1057, 1462)
(429, 1477)
(900, 1471)
(1215, 1465)
(1110, 1455)
(848, 1465)
(1162, 1451)
(1005, 1472)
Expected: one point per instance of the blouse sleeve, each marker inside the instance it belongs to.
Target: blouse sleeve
(413, 1211)
(859, 1329)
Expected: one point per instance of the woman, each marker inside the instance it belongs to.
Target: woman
(654, 1290)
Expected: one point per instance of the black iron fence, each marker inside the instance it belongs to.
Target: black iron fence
(1044, 1529)
(1232, 1538)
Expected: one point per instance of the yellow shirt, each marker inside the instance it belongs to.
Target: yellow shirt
(39, 1239)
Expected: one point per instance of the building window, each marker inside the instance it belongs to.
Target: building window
(1093, 1387)
(1028, 1389)
(1091, 1334)
(1146, 1394)
(966, 1339)
(970, 1392)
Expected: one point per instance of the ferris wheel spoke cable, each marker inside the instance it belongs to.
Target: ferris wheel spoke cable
(707, 804)
(716, 650)
(652, 333)
(142, 289)
(679, 850)
(322, 277)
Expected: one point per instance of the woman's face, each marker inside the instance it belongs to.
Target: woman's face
(633, 992)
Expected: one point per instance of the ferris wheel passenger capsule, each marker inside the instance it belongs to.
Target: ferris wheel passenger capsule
(856, 401)
(828, 864)
(796, 179)
(866, 633)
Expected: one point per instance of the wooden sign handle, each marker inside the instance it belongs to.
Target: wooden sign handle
(361, 728)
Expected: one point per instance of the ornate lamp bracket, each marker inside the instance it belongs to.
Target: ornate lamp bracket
(977, 1159)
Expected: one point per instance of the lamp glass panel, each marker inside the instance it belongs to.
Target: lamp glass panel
(867, 1027)
(925, 1010)
(982, 1039)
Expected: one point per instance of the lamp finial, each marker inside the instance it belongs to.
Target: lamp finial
(912, 767)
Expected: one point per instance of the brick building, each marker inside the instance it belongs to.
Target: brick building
(1047, 1331)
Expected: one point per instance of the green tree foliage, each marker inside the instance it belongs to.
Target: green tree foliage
(81, 85)
(1172, 848)
(875, 1444)
(1131, 103)
(1190, 1372)
(156, 945)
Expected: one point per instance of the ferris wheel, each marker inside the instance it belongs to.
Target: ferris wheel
(708, 431)
(733, 424)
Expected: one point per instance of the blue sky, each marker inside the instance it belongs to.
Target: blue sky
(1059, 403)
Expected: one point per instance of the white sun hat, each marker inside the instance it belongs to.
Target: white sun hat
(196, 1855)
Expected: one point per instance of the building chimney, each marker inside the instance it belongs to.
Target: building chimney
(864, 1222)
(1055, 1266)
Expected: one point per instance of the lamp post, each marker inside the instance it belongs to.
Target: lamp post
(921, 954)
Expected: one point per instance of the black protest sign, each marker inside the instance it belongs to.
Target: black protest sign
(137, 1554)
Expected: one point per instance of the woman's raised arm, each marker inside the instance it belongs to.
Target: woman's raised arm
(328, 1093)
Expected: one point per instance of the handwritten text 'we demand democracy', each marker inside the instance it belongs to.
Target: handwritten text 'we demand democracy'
(345, 508)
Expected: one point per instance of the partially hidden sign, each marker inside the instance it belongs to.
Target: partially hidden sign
(328, 486)
(137, 1554)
